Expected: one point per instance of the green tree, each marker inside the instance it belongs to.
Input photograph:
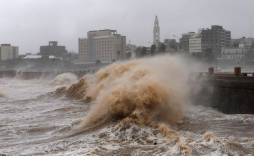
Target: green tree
(153, 47)
(236, 44)
(248, 58)
(138, 51)
(98, 61)
(143, 51)
(180, 47)
(209, 57)
(197, 56)
(163, 47)
(174, 47)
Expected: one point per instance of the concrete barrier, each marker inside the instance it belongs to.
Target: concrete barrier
(237, 73)
(229, 94)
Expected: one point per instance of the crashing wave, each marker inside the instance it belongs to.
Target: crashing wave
(144, 92)
(2, 95)
(65, 78)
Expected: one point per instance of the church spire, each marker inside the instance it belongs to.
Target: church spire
(156, 32)
(156, 22)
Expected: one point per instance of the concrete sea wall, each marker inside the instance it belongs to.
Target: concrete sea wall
(231, 95)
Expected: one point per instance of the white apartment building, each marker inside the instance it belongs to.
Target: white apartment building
(8, 52)
(195, 43)
(234, 54)
(247, 42)
(103, 45)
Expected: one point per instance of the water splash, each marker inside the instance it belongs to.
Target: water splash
(144, 92)
(65, 79)
(2, 95)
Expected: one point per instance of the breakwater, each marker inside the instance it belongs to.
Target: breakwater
(229, 93)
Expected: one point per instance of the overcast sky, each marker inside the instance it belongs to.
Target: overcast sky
(30, 24)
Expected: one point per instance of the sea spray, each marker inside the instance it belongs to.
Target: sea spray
(2, 95)
(144, 91)
(65, 79)
(18, 75)
(78, 89)
(50, 124)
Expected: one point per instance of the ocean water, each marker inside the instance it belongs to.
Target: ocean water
(133, 108)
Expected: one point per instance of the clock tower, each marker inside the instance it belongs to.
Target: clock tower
(156, 32)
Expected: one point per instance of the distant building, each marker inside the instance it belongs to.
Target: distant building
(234, 54)
(40, 56)
(215, 38)
(170, 44)
(72, 56)
(8, 52)
(247, 42)
(184, 41)
(130, 51)
(195, 43)
(156, 32)
(102, 45)
(53, 49)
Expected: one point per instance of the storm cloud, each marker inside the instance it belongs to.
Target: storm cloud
(32, 23)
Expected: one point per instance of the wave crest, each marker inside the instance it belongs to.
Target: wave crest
(145, 92)
(2, 95)
(65, 78)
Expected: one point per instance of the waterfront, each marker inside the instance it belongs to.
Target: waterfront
(41, 117)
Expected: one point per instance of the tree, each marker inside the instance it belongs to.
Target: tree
(174, 47)
(236, 44)
(163, 47)
(118, 53)
(98, 61)
(197, 55)
(248, 58)
(209, 57)
(143, 51)
(138, 51)
(153, 47)
(180, 47)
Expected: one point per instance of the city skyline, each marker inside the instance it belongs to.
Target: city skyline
(30, 24)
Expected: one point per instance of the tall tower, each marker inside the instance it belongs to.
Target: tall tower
(156, 32)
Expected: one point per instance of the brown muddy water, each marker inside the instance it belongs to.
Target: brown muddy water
(133, 108)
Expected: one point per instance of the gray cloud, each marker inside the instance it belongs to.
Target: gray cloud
(32, 23)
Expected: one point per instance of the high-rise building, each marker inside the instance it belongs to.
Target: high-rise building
(215, 38)
(156, 32)
(184, 41)
(8, 52)
(195, 43)
(102, 45)
(53, 49)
